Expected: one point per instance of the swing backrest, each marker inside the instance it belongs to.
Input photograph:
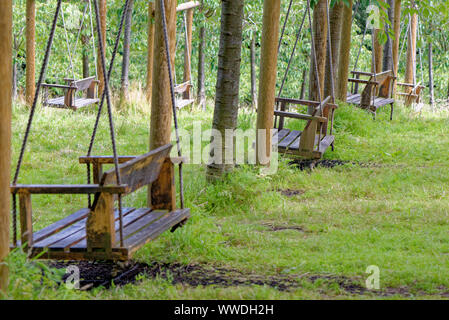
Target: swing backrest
(139, 172)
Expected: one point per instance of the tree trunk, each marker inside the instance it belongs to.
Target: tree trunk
(345, 47)
(377, 52)
(161, 104)
(253, 72)
(303, 84)
(150, 47)
(316, 88)
(397, 39)
(388, 47)
(5, 134)
(30, 86)
(188, 52)
(228, 81)
(267, 78)
(432, 96)
(335, 20)
(85, 58)
(124, 88)
(14, 79)
(201, 94)
(103, 13)
(410, 70)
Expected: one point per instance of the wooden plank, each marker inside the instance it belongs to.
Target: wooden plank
(129, 218)
(117, 254)
(187, 5)
(69, 189)
(70, 240)
(289, 139)
(83, 102)
(155, 229)
(326, 142)
(105, 159)
(282, 134)
(61, 224)
(299, 116)
(141, 171)
(163, 193)
(138, 225)
(65, 233)
(184, 103)
(26, 219)
(100, 230)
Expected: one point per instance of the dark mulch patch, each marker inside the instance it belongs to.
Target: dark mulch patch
(96, 274)
(291, 193)
(311, 164)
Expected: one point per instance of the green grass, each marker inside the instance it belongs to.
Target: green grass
(387, 207)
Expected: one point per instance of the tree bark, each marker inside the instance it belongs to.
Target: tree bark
(388, 47)
(316, 88)
(228, 81)
(377, 52)
(5, 133)
(188, 52)
(397, 39)
(410, 70)
(335, 20)
(267, 77)
(30, 86)
(343, 60)
(161, 104)
(253, 72)
(432, 96)
(150, 48)
(124, 88)
(303, 84)
(103, 16)
(201, 94)
(85, 58)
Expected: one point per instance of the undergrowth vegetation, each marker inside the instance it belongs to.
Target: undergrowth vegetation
(385, 206)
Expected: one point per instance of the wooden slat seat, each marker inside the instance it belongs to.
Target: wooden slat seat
(184, 103)
(69, 100)
(377, 92)
(94, 233)
(314, 140)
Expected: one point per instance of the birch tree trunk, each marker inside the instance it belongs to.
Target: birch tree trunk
(227, 87)
(201, 93)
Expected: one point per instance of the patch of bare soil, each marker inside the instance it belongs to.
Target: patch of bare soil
(96, 274)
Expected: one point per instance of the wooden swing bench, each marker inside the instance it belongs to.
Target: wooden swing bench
(87, 86)
(315, 139)
(94, 233)
(412, 92)
(179, 91)
(377, 92)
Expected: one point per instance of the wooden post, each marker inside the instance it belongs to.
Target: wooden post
(410, 70)
(345, 46)
(103, 13)
(161, 107)
(188, 52)
(150, 45)
(30, 86)
(5, 132)
(397, 40)
(268, 70)
(163, 195)
(377, 52)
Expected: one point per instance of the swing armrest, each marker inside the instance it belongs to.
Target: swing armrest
(299, 116)
(68, 189)
(122, 159)
(59, 86)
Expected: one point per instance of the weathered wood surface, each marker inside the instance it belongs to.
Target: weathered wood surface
(69, 189)
(184, 103)
(71, 242)
(188, 5)
(163, 191)
(26, 219)
(140, 171)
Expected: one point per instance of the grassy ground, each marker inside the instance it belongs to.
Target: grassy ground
(387, 207)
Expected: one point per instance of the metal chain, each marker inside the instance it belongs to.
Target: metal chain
(32, 112)
(173, 100)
